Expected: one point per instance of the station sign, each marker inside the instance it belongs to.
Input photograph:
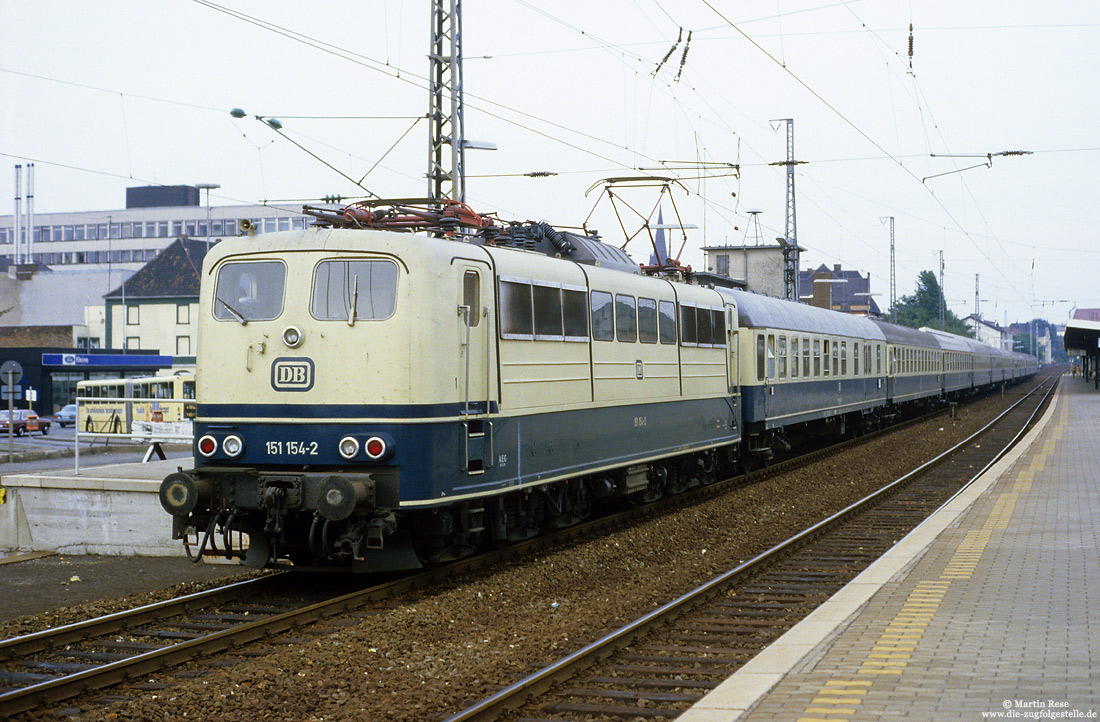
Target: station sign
(90, 360)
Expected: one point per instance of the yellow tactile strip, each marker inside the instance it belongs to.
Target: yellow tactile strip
(840, 699)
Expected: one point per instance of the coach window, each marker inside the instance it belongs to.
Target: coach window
(253, 291)
(806, 358)
(782, 351)
(547, 308)
(666, 321)
(603, 316)
(760, 356)
(771, 356)
(350, 290)
(855, 358)
(878, 359)
(836, 366)
(626, 318)
(817, 357)
(574, 309)
(471, 297)
(515, 310)
(647, 320)
(794, 357)
(825, 352)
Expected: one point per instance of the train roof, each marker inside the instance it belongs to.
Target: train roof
(904, 335)
(754, 310)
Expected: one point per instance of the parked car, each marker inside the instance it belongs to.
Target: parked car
(22, 421)
(66, 416)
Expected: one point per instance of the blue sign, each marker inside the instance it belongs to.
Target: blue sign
(88, 360)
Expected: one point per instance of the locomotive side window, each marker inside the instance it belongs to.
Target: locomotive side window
(603, 316)
(345, 290)
(547, 313)
(666, 320)
(688, 335)
(515, 310)
(250, 291)
(471, 297)
(718, 328)
(626, 318)
(647, 320)
(574, 306)
(703, 327)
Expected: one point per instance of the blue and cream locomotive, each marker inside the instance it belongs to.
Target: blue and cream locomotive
(378, 399)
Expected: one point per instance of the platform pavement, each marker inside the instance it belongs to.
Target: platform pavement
(988, 610)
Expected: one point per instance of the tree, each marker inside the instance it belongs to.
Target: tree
(923, 308)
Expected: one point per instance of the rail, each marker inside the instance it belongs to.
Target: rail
(539, 682)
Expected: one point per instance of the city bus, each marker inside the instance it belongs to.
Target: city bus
(138, 405)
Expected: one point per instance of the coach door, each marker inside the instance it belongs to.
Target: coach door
(474, 294)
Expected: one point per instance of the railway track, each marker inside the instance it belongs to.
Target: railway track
(660, 664)
(57, 664)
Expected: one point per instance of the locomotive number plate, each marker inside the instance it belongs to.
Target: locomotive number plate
(292, 448)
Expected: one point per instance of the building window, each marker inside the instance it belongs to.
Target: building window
(183, 345)
(132, 342)
(177, 228)
(722, 268)
(133, 315)
(183, 313)
(162, 229)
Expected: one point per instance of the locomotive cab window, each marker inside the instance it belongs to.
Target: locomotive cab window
(347, 290)
(250, 291)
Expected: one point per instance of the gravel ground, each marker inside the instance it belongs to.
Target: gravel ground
(426, 656)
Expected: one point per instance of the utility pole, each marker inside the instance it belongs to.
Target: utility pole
(446, 166)
(893, 284)
(977, 311)
(943, 299)
(790, 239)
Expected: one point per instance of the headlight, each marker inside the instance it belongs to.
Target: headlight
(232, 445)
(208, 445)
(292, 337)
(349, 447)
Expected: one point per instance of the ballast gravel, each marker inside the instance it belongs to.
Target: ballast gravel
(430, 654)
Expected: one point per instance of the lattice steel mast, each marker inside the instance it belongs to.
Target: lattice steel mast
(446, 147)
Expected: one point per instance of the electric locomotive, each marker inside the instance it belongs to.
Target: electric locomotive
(377, 399)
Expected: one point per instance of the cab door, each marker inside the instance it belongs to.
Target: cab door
(476, 378)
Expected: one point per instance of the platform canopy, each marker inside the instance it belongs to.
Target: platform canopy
(1082, 336)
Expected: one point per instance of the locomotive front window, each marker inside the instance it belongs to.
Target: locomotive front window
(250, 291)
(345, 290)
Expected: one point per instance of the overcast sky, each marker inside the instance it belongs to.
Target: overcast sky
(102, 96)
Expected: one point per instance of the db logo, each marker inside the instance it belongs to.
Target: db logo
(292, 374)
